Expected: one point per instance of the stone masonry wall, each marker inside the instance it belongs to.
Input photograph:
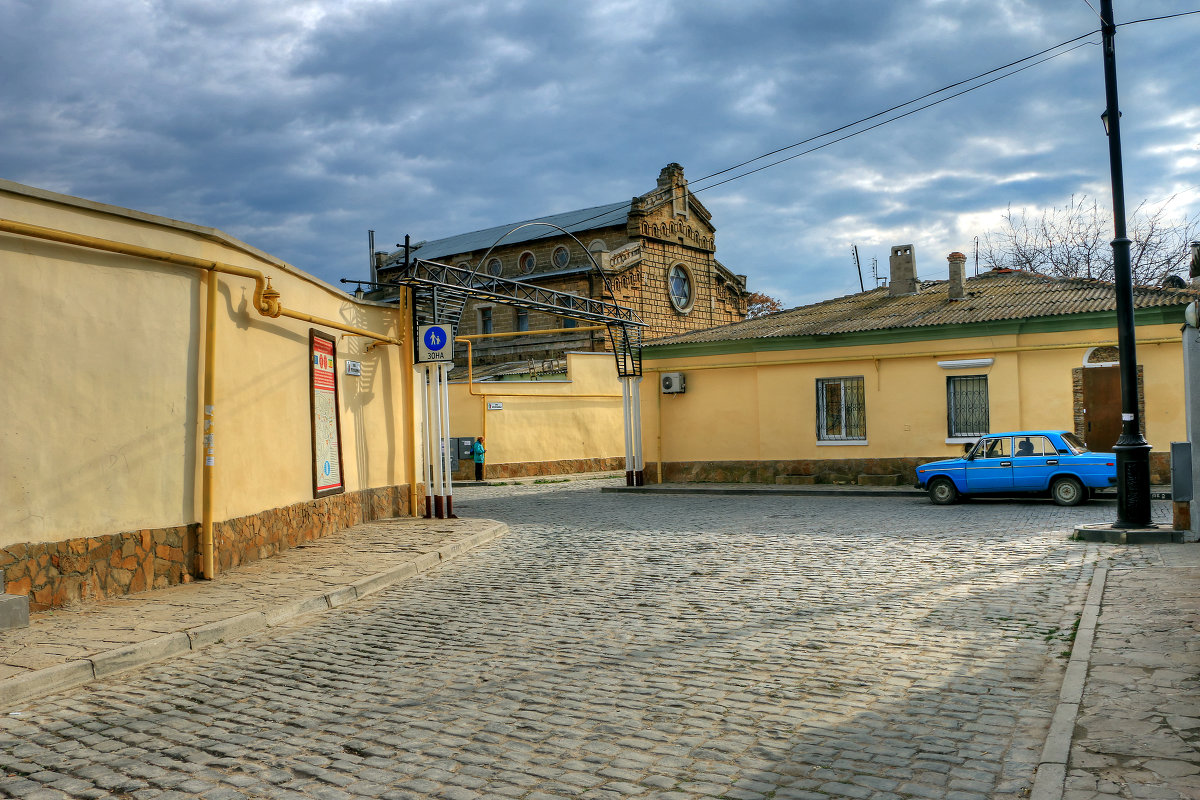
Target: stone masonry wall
(832, 471)
(524, 469)
(87, 569)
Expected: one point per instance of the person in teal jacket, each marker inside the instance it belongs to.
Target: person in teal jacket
(477, 452)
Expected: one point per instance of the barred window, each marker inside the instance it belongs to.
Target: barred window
(967, 405)
(841, 409)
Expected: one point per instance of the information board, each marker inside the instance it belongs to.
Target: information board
(326, 420)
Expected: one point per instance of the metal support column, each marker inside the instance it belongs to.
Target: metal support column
(639, 466)
(628, 421)
(427, 429)
(444, 392)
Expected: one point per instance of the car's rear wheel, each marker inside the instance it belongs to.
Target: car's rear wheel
(942, 492)
(1068, 492)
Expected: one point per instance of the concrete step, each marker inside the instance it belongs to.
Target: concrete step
(14, 609)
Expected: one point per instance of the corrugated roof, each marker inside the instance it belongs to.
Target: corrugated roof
(584, 219)
(993, 296)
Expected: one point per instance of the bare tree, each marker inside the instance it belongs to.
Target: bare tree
(1075, 241)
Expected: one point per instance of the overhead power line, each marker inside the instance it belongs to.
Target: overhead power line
(879, 124)
(899, 106)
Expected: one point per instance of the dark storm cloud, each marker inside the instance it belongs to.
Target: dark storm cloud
(298, 125)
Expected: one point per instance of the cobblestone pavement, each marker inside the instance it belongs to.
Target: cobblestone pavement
(623, 646)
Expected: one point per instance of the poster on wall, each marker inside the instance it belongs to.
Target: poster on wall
(326, 421)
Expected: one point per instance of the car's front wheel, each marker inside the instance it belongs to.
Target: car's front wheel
(1068, 492)
(942, 492)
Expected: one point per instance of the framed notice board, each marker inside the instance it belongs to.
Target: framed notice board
(326, 420)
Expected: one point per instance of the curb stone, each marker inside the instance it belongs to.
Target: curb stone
(1050, 780)
(73, 674)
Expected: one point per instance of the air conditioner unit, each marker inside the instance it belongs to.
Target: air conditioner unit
(673, 383)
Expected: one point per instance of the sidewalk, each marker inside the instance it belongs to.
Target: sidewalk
(64, 648)
(1128, 719)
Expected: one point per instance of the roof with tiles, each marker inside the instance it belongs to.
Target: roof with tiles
(1000, 294)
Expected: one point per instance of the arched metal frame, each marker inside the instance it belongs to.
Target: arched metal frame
(607, 286)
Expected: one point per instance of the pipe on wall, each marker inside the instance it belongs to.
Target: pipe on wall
(266, 302)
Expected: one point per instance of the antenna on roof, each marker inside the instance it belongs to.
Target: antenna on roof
(875, 270)
(858, 266)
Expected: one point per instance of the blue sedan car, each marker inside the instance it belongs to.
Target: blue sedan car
(1021, 461)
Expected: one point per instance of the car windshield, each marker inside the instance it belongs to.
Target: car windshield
(1075, 443)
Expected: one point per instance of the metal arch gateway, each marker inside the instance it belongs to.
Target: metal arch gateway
(440, 295)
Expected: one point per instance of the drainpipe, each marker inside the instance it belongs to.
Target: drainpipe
(407, 370)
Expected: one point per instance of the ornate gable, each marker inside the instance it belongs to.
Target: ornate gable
(671, 213)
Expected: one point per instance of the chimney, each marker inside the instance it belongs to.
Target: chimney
(903, 264)
(671, 178)
(958, 263)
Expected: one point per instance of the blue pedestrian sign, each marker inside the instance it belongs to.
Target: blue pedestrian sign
(436, 344)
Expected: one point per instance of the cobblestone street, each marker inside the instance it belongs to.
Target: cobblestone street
(623, 646)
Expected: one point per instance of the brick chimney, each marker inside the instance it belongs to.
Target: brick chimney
(903, 264)
(958, 263)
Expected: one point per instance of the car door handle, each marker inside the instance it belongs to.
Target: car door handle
(1050, 462)
(1006, 463)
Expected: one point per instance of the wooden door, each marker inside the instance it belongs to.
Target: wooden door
(1101, 407)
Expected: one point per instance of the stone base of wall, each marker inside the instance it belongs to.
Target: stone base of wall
(866, 471)
(528, 469)
(828, 470)
(95, 567)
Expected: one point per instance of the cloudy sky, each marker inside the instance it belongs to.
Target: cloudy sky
(297, 125)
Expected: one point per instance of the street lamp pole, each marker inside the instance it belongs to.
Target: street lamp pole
(1132, 450)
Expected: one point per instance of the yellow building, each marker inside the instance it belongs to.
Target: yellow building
(176, 401)
(864, 387)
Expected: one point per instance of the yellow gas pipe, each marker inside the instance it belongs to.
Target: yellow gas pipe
(266, 302)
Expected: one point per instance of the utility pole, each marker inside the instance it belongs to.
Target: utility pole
(1131, 449)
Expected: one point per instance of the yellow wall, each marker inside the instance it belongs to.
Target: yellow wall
(579, 418)
(738, 407)
(103, 377)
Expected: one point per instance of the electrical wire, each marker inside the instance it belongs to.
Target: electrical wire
(883, 122)
(896, 108)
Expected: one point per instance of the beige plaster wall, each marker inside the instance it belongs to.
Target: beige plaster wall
(579, 418)
(746, 409)
(102, 380)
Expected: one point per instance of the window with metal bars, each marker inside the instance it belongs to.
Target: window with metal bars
(967, 405)
(841, 409)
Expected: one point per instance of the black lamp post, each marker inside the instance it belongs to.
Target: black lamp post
(1132, 449)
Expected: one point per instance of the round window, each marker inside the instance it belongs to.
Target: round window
(527, 262)
(495, 267)
(679, 286)
(562, 257)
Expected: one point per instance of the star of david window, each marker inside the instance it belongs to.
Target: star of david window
(680, 288)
